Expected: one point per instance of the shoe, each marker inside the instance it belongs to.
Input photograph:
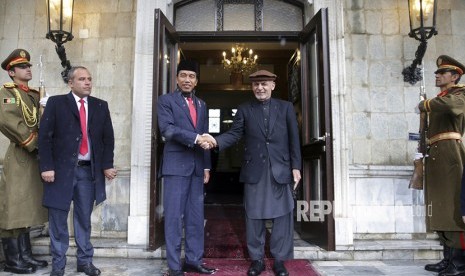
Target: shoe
(279, 269)
(24, 242)
(172, 272)
(14, 263)
(88, 269)
(198, 269)
(57, 272)
(256, 267)
(456, 265)
(443, 264)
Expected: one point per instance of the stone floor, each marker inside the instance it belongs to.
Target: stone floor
(123, 267)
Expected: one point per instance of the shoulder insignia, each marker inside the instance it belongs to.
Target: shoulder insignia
(33, 90)
(10, 85)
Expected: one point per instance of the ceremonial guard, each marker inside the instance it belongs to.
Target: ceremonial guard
(20, 183)
(444, 165)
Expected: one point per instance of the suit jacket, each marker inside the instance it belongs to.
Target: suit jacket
(181, 156)
(281, 144)
(59, 140)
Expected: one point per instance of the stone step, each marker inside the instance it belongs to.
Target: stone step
(361, 250)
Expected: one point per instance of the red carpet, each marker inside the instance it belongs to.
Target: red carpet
(226, 249)
(234, 267)
(225, 235)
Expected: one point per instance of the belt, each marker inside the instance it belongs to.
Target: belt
(444, 136)
(81, 163)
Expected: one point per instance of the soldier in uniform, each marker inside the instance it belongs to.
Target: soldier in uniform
(444, 165)
(20, 183)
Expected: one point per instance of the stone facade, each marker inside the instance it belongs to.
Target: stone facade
(372, 106)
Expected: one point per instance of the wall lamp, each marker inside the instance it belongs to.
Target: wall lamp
(60, 29)
(422, 14)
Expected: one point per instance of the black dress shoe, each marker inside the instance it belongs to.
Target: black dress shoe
(198, 269)
(279, 269)
(57, 272)
(88, 269)
(256, 267)
(172, 272)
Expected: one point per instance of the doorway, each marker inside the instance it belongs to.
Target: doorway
(306, 85)
(223, 94)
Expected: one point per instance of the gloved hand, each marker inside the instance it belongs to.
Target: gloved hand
(417, 110)
(44, 100)
(418, 155)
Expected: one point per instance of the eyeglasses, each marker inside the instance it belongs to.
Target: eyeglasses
(23, 66)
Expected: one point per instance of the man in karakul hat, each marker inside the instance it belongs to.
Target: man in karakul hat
(270, 170)
(20, 183)
(182, 118)
(444, 166)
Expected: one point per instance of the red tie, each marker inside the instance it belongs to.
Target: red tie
(82, 117)
(192, 111)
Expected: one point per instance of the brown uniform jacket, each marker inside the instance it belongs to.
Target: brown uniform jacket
(445, 160)
(20, 182)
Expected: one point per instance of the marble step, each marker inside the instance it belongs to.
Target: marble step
(416, 249)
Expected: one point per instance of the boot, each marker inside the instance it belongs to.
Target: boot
(456, 264)
(438, 267)
(14, 263)
(26, 251)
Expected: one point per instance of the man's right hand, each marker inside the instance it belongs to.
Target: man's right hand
(206, 141)
(48, 176)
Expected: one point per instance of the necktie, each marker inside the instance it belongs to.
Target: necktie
(192, 111)
(82, 117)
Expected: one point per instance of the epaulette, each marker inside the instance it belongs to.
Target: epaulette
(33, 90)
(459, 85)
(10, 85)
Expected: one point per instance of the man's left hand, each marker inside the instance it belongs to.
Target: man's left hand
(110, 173)
(297, 177)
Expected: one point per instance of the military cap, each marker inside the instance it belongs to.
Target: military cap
(446, 63)
(18, 56)
(188, 65)
(262, 75)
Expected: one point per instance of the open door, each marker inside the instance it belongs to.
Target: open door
(317, 191)
(165, 56)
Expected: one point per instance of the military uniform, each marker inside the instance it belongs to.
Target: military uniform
(444, 165)
(20, 183)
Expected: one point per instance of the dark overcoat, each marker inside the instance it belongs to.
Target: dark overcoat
(444, 161)
(59, 139)
(20, 184)
(280, 144)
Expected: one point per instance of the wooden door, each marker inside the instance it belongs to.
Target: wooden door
(165, 57)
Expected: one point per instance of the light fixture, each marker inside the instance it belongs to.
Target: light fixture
(422, 14)
(60, 29)
(242, 60)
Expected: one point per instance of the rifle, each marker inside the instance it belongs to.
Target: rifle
(417, 180)
(41, 84)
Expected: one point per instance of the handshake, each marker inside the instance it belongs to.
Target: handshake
(206, 141)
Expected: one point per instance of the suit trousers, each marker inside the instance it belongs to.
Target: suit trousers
(281, 241)
(83, 203)
(183, 204)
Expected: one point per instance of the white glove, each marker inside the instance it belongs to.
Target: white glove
(43, 101)
(417, 110)
(418, 156)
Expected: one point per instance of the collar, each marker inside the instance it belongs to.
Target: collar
(23, 87)
(77, 99)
